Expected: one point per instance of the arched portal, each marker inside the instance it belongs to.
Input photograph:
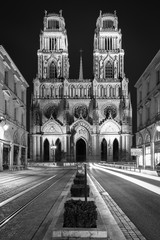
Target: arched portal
(58, 151)
(115, 150)
(46, 151)
(104, 150)
(80, 150)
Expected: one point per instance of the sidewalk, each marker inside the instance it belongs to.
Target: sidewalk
(149, 172)
(131, 169)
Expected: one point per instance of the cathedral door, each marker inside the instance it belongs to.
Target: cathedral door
(46, 151)
(104, 150)
(80, 151)
(115, 151)
(58, 151)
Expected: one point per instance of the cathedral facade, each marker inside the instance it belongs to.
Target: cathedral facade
(80, 119)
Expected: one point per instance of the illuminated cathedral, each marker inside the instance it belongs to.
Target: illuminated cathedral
(75, 120)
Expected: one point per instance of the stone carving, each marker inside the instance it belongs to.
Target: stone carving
(52, 129)
(81, 111)
(110, 112)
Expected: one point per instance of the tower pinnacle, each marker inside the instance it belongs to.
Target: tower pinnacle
(81, 66)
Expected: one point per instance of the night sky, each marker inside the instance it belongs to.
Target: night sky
(20, 26)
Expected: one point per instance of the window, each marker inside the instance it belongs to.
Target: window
(89, 91)
(158, 76)
(6, 78)
(148, 156)
(52, 43)
(109, 70)
(72, 91)
(6, 107)
(15, 114)
(140, 96)
(101, 91)
(43, 91)
(148, 113)
(22, 96)
(147, 87)
(157, 137)
(22, 119)
(15, 88)
(52, 91)
(108, 24)
(81, 91)
(53, 24)
(53, 70)
(156, 106)
(140, 118)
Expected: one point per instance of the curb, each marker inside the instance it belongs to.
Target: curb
(113, 229)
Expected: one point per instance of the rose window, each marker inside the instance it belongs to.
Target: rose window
(51, 111)
(80, 111)
(110, 112)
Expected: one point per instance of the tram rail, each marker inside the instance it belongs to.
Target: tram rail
(10, 193)
(13, 214)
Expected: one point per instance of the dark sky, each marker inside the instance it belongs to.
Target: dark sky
(20, 26)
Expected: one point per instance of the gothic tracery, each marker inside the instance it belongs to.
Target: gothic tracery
(88, 116)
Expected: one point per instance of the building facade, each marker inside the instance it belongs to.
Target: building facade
(13, 133)
(148, 114)
(81, 119)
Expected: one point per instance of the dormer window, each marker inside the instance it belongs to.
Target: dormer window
(53, 24)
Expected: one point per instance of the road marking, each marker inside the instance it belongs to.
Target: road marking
(23, 192)
(143, 184)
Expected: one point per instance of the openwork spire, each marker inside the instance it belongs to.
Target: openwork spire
(81, 67)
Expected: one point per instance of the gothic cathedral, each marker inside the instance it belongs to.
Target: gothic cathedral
(75, 120)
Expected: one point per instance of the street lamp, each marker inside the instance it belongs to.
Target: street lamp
(158, 128)
(3, 119)
(53, 147)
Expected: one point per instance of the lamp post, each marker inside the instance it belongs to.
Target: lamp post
(85, 172)
(158, 128)
(3, 119)
(53, 147)
(157, 157)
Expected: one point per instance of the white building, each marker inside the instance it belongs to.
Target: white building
(148, 114)
(13, 133)
(85, 119)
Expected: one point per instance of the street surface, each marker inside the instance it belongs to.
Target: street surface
(134, 195)
(27, 197)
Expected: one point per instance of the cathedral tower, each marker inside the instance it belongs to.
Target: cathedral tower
(81, 119)
(53, 52)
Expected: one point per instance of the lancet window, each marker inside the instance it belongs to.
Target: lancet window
(108, 24)
(53, 70)
(53, 24)
(43, 91)
(109, 70)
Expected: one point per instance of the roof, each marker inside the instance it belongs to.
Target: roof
(4, 53)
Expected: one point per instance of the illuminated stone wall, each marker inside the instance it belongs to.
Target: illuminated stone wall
(91, 115)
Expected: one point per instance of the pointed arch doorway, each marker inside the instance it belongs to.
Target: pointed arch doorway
(104, 150)
(58, 151)
(80, 150)
(115, 150)
(46, 151)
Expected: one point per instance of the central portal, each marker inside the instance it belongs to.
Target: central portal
(80, 151)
